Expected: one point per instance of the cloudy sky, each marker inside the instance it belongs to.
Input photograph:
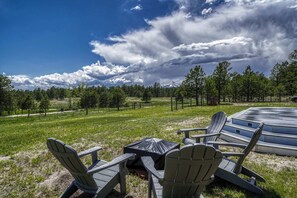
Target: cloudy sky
(103, 42)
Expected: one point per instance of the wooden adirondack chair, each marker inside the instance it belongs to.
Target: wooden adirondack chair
(212, 132)
(187, 171)
(99, 179)
(229, 169)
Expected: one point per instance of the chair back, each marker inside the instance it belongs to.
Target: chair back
(68, 157)
(249, 147)
(188, 170)
(217, 123)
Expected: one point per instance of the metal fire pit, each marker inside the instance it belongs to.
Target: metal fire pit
(154, 147)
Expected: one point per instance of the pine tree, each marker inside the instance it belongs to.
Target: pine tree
(28, 103)
(146, 96)
(194, 82)
(44, 104)
(5, 87)
(221, 77)
(117, 98)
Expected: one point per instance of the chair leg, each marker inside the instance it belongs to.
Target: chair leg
(123, 178)
(150, 180)
(236, 180)
(251, 173)
(71, 189)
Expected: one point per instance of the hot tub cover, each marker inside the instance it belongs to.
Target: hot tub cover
(154, 147)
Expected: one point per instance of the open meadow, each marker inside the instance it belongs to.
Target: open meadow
(28, 169)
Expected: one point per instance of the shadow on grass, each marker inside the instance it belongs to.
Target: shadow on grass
(222, 188)
(113, 194)
(218, 188)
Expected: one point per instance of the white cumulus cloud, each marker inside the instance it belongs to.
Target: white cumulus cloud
(224, 43)
(245, 32)
(293, 6)
(64, 79)
(21, 79)
(210, 1)
(137, 8)
(102, 72)
(206, 11)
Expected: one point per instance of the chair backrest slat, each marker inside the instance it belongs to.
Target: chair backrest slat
(217, 123)
(249, 147)
(184, 179)
(68, 157)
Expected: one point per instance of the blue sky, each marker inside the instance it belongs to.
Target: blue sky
(43, 37)
(110, 42)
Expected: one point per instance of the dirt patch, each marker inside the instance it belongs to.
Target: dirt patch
(169, 128)
(56, 180)
(27, 158)
(83, 144)
(60, 180)
(243, 104)
(189, 123)
(274, 162)
(4, 158)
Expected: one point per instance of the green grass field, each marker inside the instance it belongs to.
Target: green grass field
(27, 169)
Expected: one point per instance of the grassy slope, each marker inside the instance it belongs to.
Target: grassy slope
(23, 141)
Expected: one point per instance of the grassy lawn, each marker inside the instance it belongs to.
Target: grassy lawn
(27, 169)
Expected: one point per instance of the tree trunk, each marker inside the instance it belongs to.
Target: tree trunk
(219, 96)
(182, 103)
(171, 102)
(196, 97)
(87, 111)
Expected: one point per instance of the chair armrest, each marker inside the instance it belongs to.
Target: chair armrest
(192, 129)
(228, 154)
(197, 137)
(89, 151)
(187, 131)
(149, 165)
(92, 151)
(121, 159)
(227, 144)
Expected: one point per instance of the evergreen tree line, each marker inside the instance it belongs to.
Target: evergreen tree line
(224, 85)
(221, 85)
